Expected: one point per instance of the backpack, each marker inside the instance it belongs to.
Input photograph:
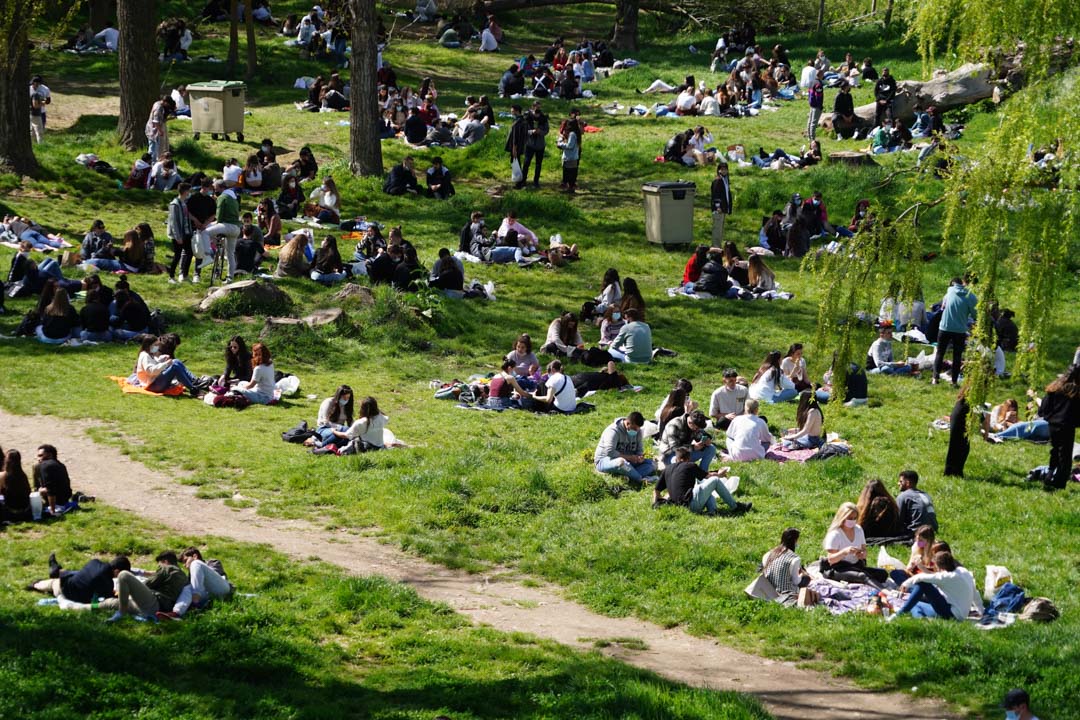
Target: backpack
(1040, 609)
(830, 450)
(297, 434)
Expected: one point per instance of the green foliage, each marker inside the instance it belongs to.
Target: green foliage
(239, 304)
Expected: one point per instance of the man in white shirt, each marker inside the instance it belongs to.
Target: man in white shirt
(37, 87)
(748, 435)
(728, 401)
(561, 394)
(879, 358)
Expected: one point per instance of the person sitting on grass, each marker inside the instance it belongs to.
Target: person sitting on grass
(14, 487)
(328, 267)
(691, 486)
(949, 593)
(879, 516)
(633, 344)
(335, 413)
(525, 361)
(160, 590)
(51, 478)
(748, 437)
(94, 318)
(97, 248)
(448, 274)
(250, 251)
(784, 569)
(879, 359)
(439, 183)
(59, 321)
(563, 337)
(557, 394)
(94, 581)
(728, 401)
(365, 434)
(128, 314)
(922, 555)
(621, 451)
(610, 324)
(915, 506)
(1017, 704)
(292, 261)
(502, 387)
(687, 430)
(845, 546)
(694, 266)
(809, 420)
(402, 178)
(770, 384)
(259, 390)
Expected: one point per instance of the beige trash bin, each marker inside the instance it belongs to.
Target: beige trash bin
(669, 212)
(217, 107)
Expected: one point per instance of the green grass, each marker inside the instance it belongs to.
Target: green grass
(307, 643)
(476, 488)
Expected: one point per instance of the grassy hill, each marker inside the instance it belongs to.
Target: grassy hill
(514, 488)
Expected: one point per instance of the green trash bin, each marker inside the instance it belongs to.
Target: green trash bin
(669, 212)
(217, 107)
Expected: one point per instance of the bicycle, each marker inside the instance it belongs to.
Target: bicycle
(219, 270)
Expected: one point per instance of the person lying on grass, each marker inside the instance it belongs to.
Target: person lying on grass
(145, 598)
(690, 486)
(607, 379)
(207, 581)
(94, 581)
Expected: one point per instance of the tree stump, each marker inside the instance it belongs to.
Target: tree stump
(256, 295)
(351, 290)
(319, 318)
(852, 157)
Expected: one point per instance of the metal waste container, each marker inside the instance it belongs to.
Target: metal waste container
(217, 107)
(669, 212)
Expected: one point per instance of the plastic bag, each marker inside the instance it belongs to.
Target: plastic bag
(516, 175)
(887, 561)
(996, 576)
(288, 385)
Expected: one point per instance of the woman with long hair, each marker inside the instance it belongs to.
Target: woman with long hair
(328, 268)
(569, 141)
(132, 251)
(761, 277)
(782, 567)
(14, 486)
(328, 202)
(364, 435)
(631, 298)
(794, 366)
(692, 271)
(290, 200)
(809, 420)
(610, 291)
(922, 555)
(260, 389)
(292, 262)
(845, 545)
(563, 338)
(738, 269)
(252, 175)
(335, 415)
(1060, 408)
(770, 384)
(157, 370)
(237, 362)
(58, 320)
(674, 406)
(879, 516)
(146, 237)
(269, 221)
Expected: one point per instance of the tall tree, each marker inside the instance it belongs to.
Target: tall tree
(139, 65)
(233, 59)
(624, 37)
(101, 14)
(16, 152)
(365, 148)
(252, 50)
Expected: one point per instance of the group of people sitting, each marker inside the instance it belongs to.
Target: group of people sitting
(340, 431)
(722, 272)
(416, 118)
(167, 593)
(560, 73)
(790, 232)
(50, 494)
(321, 35)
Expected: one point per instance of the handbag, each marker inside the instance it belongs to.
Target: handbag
(516, 175)
(761, 588)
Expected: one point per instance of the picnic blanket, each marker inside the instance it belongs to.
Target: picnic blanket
(688, 291)
(779, 454)
(129, 387)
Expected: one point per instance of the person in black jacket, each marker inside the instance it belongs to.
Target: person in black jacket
(722, 201)
(93, 581)
(408, 271)
(381, 268)
(516, 140)
(401, 179)
(536, 141)
(714, 277)
(51, 478)
(415, 128)
(439, 182)
(884, 93)
(475, 225)
(1061, 410)
(844, 120)
(94, 318)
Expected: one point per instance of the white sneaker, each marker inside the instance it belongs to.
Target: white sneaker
(181, 279)
(195, 279)
(172, 281)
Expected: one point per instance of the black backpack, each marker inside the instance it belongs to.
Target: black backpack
(298, 434)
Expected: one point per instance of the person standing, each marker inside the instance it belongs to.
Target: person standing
(157, 132)
(570, 142)
(884, 92)
(722, 201)
(816, 98)
(227, 223)
(959, 446)
(1061, 409)
(37, 118)
(515, 143)
(179, 230)
(957, 307)
(201, 208)
(535, 143)
(37, 87)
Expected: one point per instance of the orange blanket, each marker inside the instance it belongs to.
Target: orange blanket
(127, 387)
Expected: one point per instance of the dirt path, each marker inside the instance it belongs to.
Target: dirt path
(491, 598)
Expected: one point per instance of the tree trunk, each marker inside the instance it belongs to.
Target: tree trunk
(365, 148)
(888, 15)
(626, 23)
(252, 49)
(139, 65)
(16, 151)
(233, 58)
(101, 14)
(821, 16)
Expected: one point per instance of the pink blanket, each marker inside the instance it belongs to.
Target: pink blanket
(779, 454)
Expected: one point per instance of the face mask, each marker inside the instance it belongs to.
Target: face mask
(849, 524)
(632, 433)
(155, 349)
(343, 402)
(616, 316)
(1012, 715)
(266, 148)
(920, 544)
(816, 203)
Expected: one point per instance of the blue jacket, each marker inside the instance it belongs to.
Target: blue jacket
(958, 306)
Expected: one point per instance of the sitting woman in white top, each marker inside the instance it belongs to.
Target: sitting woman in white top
(784, 569)
(794, 366)
(810, 420)
(558, 392)
(770, 384)
(563, 337)
(949, 593)
(335, 414)
(157, 370)
(260, 389)
(364, 435)
(610, 295)
(748, 437)
(845, 547)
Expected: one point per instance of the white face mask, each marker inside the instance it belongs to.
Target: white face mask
(849, 524)
(343, 401)
(155, 349)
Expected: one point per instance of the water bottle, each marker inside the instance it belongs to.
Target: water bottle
(36, 505)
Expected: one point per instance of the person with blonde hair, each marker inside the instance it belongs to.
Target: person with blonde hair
(761, 276)
(845, 548)
(292, 262)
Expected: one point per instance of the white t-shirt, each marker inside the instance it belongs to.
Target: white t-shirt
(836, 539)
(724, 401)
(110, 36)
(748, 438)
(370, 431)
(488, 43)
(709, 106)
(957, 586)
(231, 174)
(181, 104)
(764, 388)
(788, 366)
(686, 100)
(565, 395)
(263, 377)
(808, 76)
(42, 90)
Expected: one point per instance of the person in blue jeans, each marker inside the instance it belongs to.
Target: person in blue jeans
(688, 431)
(690, 486)
(156, 370)
(1037, 430)
(621, 450)
(949, 593)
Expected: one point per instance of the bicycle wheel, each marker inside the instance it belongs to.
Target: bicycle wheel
(217, 273)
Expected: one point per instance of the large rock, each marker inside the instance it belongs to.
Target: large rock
(968, 84)
(256, 295)
(352, 290)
